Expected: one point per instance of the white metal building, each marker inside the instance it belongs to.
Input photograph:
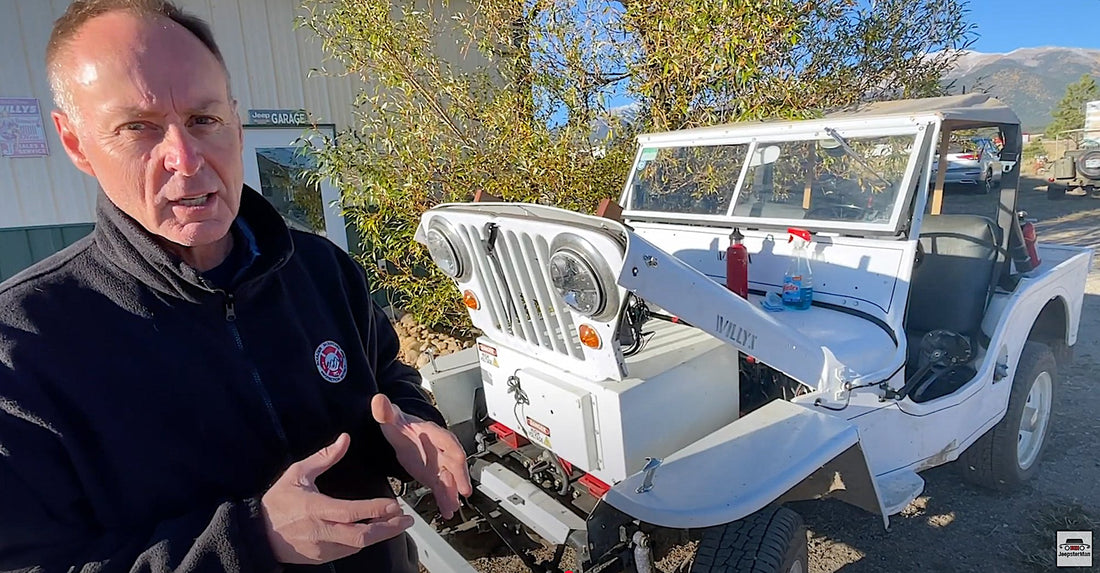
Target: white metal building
(1092, 120)
(46, 203)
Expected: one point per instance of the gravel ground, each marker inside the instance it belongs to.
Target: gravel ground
(954, 526)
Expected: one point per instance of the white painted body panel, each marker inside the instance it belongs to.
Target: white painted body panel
(675, 393)
(452, 380)
(916, 436)
(556, 415)
(738, 469)
(870, 275)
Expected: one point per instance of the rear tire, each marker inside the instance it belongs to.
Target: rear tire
(1008, 454)
(772, 540)
(1083, 164)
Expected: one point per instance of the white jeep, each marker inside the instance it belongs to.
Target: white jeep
(621, 399)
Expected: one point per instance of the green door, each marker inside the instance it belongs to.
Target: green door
(22, 247)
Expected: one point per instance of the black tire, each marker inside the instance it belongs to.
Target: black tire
(993, 461)
(1056, 191)
(772, 540)
(1082, 164)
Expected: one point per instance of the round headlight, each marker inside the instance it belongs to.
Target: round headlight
(444, 254)
(577, 283)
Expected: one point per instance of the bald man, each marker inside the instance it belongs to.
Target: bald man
(194, 387)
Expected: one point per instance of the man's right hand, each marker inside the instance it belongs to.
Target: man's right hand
(307, 527)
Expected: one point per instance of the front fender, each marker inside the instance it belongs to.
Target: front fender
(772, 454)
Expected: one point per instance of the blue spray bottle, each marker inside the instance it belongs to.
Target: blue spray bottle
(798, 282)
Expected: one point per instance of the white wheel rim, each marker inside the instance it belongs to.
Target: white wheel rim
(1034, 420)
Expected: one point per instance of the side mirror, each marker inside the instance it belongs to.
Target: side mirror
(764, 156)
(1007, 166)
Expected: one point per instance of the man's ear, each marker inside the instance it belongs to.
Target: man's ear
(66, 131)
(240, 123)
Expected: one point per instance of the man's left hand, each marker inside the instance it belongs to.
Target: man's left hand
(431, 454)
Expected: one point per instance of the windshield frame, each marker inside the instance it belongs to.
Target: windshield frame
(919, 130)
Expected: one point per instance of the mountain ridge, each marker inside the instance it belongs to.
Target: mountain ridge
(1030, 80)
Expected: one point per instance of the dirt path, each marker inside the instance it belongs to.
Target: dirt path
(954, 526)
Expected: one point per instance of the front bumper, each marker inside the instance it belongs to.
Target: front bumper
(529, 504)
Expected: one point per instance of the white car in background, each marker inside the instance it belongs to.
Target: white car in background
(974, 162)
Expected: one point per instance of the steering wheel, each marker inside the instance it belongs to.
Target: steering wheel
(940, 351)
(838, 212)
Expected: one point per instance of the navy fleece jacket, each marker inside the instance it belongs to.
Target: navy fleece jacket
(144, 412)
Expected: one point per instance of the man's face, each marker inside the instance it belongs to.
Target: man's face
(154, 123)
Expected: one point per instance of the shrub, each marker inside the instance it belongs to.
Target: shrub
(517, 97)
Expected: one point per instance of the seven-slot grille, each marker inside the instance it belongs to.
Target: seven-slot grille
(511, 265)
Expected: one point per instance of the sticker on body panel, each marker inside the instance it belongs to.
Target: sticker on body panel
(487, 354)
(539, 433)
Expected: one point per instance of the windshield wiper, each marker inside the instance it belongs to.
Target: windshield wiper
(855, 155)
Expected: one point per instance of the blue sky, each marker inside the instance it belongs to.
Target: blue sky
(1005, 25)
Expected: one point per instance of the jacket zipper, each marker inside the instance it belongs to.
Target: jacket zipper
(231, 320)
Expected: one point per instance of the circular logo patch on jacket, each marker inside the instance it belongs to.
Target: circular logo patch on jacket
(331, 362)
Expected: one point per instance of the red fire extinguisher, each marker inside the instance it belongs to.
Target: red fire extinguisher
(1027, 227)
(737, 265)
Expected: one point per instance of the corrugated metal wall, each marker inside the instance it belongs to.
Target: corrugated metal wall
(268, 59)
(47, 190)
(1092, 120)
(46, 203)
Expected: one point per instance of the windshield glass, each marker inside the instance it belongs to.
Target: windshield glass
(836, 178)
(697, 180)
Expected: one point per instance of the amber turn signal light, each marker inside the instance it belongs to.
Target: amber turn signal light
(589, 336)
(470, 300)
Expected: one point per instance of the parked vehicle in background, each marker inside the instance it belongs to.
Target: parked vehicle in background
(973, 161)
(622, 399)
(1077, 169)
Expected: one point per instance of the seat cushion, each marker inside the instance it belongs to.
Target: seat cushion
(951, 286)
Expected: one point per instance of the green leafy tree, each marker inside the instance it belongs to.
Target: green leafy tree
(1069, 114)
(704, 62)
(518, 98)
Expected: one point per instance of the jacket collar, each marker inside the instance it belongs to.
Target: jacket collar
(134, 250)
